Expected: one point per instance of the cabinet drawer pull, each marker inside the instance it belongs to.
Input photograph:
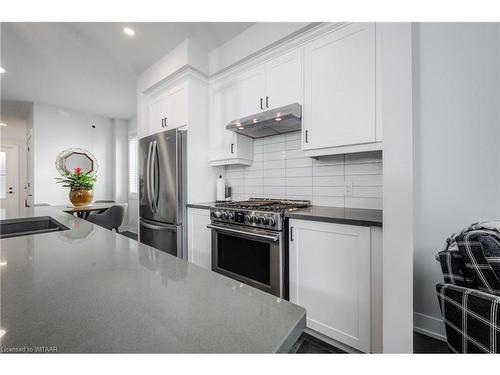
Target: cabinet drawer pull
(232, 148)
(261, 103)
(267, 101)
(307, 138)
(291, 233)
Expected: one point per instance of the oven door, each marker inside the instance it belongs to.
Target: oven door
(252, 256)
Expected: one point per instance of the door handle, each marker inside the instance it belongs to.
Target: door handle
(267, 101)
(148, 175)
(156, 189)
(261, 103)
(159, 227)
(291, 233)
(245, 233)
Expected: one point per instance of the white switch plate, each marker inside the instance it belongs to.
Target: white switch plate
(348, 189)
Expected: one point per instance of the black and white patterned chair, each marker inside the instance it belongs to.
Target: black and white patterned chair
(469, 298)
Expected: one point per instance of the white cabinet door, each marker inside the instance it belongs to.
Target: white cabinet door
(222, 141)
(199, 238)
(251, 92)
(176, 115)
(339, 95)
(284, 80)
(227, 147)
(157, 108)
(330, 278)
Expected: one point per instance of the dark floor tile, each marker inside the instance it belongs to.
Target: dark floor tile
(308, 344)
(427, 344)
(130, 235)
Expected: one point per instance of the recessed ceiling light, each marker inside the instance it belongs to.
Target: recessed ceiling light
(129, 31)
(2, 70)
(2, 124)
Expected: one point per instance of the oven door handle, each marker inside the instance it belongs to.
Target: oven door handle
(274, 238)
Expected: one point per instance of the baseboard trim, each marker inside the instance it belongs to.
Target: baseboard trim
(429, 326)
(128, 228)
(333, 342)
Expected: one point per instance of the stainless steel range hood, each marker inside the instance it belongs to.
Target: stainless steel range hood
(281, 120)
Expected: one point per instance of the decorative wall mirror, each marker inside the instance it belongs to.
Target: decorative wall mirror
(73, 158)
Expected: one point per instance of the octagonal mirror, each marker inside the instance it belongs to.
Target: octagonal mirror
(73, 158)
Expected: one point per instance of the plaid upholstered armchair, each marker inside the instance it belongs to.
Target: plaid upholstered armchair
(469, 298)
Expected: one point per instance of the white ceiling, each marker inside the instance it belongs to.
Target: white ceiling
(93, 67)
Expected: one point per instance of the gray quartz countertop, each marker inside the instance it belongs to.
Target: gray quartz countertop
(353, 216)
(88, 290)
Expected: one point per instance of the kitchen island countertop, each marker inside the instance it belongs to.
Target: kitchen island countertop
(90, 290)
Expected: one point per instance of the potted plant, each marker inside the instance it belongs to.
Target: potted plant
(81, 186)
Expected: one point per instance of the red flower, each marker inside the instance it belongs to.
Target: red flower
(78, 171)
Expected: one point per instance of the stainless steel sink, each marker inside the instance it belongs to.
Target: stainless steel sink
(29, 225)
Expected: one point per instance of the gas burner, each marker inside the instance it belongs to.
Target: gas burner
(256, 212)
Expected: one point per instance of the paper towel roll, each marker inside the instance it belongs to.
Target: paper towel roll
(220, 189)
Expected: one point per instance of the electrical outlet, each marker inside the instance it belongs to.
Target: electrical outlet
(348, 189)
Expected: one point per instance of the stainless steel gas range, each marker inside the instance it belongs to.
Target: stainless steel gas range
(250, 244)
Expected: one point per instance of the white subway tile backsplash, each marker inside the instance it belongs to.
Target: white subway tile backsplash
(367, 168)
(299, 181)
(294, 144)
(274, 164)
(298, 172)
(299, 163)
(281, 170)
(275, 155)
(328, 180)
(328, 170)
(270, 173)
(273, 147)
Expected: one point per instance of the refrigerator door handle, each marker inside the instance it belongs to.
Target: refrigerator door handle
(148, 176)
(159, 227)
(155, 188)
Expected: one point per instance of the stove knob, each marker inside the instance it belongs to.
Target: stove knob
(262, 220)
(231, 216)
(224, 215)
(254, 219)
(217, 214)
(248, 218)
(271, 221)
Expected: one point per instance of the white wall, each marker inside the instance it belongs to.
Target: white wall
(55, 130)
(120, 129)
(281, 170)
(456, 145)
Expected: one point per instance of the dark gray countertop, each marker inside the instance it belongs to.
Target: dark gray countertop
(352, 216)
(90, 290)
(205, 205)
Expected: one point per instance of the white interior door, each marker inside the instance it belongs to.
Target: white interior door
(9, 177)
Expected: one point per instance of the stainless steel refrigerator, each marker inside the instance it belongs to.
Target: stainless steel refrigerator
(162, 191)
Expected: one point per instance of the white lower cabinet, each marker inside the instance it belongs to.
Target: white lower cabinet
(199, 238)
(330, 277)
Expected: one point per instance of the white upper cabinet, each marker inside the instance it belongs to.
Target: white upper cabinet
(339, 95)
(226, 147)
(251, 92)
(164, 108)
(272, 84)
(284, 80)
